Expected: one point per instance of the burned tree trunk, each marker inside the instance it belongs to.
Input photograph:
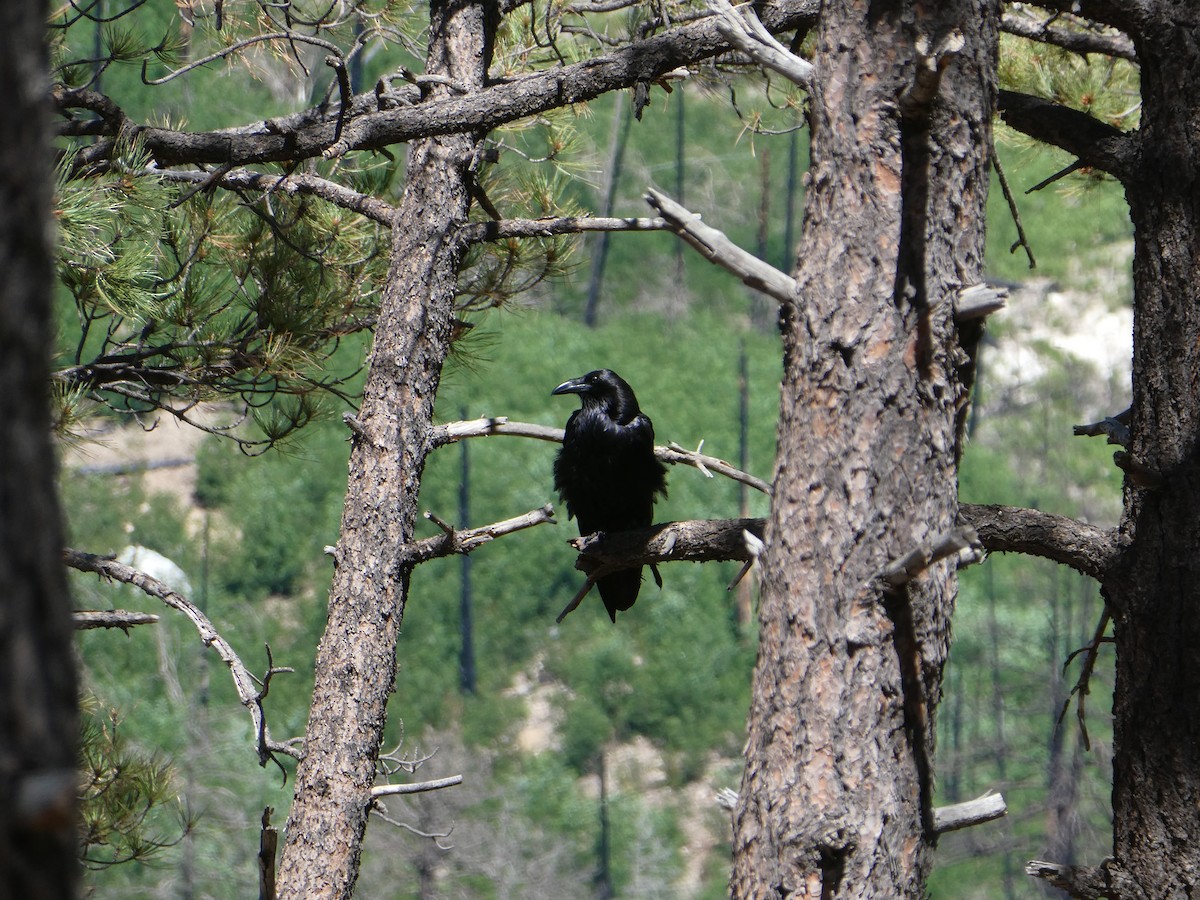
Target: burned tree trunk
(38, 725)
(836, 797)
(1154, 591)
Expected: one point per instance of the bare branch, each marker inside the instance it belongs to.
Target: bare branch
(244, 682)
(296, 183)
(1109, 879)
(717, 248)
(1076, 40)
(504, 229)
(743, 29)
(380, 810)
(961, 542)
(420, 787)
(978, 302)
(1011, 200)
(1083, 547)
(110, 618)
(573, 605)
(972, 812)
(1115, 427)
(700, 540)
(671, 454)
(1083, 685)
(696, 540)
(931, 61)
(450, 541)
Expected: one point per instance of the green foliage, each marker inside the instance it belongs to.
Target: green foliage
(130, 810)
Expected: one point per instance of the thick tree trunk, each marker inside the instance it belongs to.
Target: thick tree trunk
(836, 798)
(1155, 591)
(38, 728)
(356, 660)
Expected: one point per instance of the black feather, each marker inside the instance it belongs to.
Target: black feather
(607, 473)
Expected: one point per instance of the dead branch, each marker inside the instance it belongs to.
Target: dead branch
(418, 787)
(1009, 198)
(717, 248)
(1116, 428)
(961, 542)
(1076, 40)
(295, 183)
(110, 618)
(268, 843)
(1109, 879)
(1083, 685)
(978, 301)
(1139, 474)
(1008, 529)
(745, 31)
(698, 540)
(931, 61)
(671, 454)
(380, 810)
(972, 812)
(452, 541)
(477, 232)
(244, 682)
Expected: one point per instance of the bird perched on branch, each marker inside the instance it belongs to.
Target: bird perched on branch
(607, 473)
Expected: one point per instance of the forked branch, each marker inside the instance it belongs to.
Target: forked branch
(247, 685)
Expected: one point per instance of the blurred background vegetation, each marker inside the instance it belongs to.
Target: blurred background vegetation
(653, 709)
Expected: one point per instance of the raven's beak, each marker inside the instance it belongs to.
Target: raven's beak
(574, 386)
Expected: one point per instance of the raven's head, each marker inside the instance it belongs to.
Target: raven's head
(603, 389)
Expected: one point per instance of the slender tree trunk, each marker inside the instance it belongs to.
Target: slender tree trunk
(1155, 591)
(618, 138)
(38, 728)
(836, 797)
(356, 660)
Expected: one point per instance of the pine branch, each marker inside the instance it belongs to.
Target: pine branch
(1095, 143)
(312, 134)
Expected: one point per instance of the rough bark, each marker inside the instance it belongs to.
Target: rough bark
(356, 660)
(1154, 591)
(38, 728)
(836, 797)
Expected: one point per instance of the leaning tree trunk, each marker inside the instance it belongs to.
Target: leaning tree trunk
(836, 797)
(356, 659)
(1154, 592)
(38, 727)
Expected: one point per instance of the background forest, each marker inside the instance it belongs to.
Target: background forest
(535, 715)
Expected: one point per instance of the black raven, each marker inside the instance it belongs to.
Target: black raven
(606, 472)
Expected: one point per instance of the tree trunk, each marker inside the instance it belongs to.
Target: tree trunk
(356, 660)
(38, 726)
(836, 797)
(1155, 591)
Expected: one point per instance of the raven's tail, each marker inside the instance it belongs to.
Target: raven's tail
(619, 590)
